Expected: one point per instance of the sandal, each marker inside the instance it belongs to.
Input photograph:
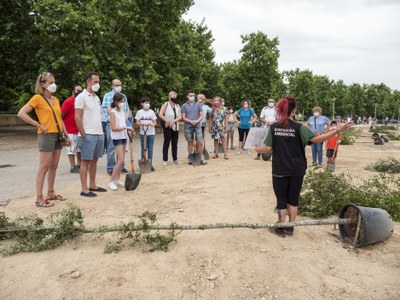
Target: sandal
(54, 196)
(215, 155)
(44, 203)
(226, 156)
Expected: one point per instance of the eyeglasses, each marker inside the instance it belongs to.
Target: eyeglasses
(44, 74)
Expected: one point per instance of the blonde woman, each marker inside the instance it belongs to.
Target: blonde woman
(47, 108)
(218, 126)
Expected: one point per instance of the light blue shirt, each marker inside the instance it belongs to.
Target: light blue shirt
(206, 110)
(317, 124)
(108, 99)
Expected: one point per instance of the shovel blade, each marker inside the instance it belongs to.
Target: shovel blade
(220, 148)
(206, 154)
(266, 156)
(132, 181)
(145, 165)
(195, 159)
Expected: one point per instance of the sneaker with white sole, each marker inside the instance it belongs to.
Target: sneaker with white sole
(164, 163)
(112, 186)
(177, 162)
(119, 182)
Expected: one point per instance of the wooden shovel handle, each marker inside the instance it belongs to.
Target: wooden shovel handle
(131, 154)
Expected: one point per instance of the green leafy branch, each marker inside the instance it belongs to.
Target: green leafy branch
(325, 193)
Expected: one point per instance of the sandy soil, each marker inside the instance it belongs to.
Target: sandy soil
(212, 264)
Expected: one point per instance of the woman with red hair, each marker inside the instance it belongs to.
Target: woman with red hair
(288, 139)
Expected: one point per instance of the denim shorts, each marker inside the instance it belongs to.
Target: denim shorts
(119, 142)
(231, 127)
(189, 133)
(48, 142)
(92, 146)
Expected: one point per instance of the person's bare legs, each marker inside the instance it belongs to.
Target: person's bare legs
(225, 146)
(215, 146)
(190, 147)
(199, 146)
(83, 172)
(78, 158)
(293, 213)
(51, 173)
(71, 158)
(120, 151)
(45, 159)
(92, 173)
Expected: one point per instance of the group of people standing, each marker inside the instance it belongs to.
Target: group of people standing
(87, 126)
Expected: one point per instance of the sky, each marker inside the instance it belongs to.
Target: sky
(353, 40)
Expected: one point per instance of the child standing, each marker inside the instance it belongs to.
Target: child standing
(146, 119)
(332, 147)
(119, 136)
(232, 121)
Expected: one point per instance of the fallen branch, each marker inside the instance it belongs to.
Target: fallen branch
(104, 229)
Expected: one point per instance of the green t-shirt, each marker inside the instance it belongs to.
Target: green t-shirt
(305, 134)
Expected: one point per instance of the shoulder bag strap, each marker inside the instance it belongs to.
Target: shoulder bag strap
(54, 114)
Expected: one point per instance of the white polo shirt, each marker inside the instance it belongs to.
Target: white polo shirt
(91, 106)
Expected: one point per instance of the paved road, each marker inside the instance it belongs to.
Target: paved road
(19, 180)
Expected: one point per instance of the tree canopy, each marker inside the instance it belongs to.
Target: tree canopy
(153, 50)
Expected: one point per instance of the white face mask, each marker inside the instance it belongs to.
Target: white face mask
(146, 105)
(231, 111)
(121, 105)
(118, 89)
(96, 87)
(333, 127)
(271, 104)
(316, 114)
(52, 88)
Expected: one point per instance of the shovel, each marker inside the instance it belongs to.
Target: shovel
(206, 154)
(220, 147)
(132, 180)
(145, 163)
(195, 158)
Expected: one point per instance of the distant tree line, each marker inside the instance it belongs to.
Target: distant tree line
(153, 50)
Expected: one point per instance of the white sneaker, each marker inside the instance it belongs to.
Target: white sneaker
(119, 182)
(112, 186)
(177, 162)
(164, 163)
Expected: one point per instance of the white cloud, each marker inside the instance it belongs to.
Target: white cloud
(357, 41)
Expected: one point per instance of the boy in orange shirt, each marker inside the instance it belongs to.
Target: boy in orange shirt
(332, 147)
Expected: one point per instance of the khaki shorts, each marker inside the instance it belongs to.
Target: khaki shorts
(48, 142)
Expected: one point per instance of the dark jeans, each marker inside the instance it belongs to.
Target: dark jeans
(170, 137)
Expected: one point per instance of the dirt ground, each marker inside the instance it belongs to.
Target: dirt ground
(211, 264)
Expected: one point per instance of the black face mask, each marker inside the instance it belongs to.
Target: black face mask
(77, 93)
(173, 99)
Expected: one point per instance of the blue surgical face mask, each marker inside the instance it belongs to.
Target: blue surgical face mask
(146, 105)
(191, 98)
(316, 114)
